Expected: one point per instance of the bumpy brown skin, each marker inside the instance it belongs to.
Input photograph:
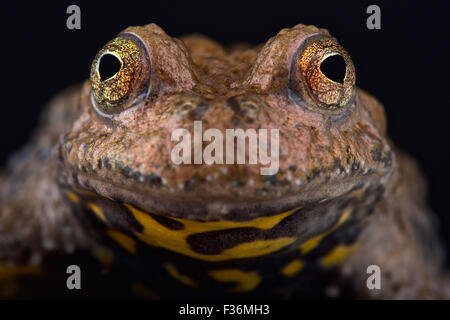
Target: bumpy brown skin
(322, 156)
(199, 80)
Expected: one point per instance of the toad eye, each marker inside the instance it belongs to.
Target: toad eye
(323, 75)
(120, 75)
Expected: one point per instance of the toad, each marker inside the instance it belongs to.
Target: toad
(99, 178)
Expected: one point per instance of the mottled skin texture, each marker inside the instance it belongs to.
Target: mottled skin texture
(330, 159)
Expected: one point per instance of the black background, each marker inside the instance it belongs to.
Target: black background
(404, 64)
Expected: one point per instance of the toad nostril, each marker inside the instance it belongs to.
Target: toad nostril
(244, 108)
(197, 113)
(250, 111)
(249, 107)
(188, 106)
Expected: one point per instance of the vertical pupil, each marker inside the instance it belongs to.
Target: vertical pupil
(334, 68)
(109, 65)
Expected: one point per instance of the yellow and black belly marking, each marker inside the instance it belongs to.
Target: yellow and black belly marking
(174, 273)
(292, 268)
(313, 242)
(123, 240)
(222, 256)
(7, 272)
(199, 240)
(244, 280)
(338, 255)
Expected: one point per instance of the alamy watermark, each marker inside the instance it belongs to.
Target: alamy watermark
(73, 21)
(235, 142)
(374, 20)
(374, 280)
(74, 279)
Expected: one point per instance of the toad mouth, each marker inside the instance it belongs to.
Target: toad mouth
(194, 205)
(212, 241)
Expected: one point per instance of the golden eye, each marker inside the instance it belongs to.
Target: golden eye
(120, 75)
(323, 74)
